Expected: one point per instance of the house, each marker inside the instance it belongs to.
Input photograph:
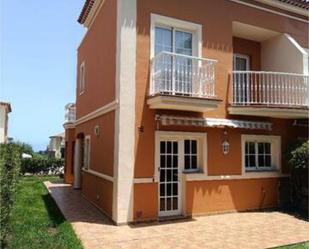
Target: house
(186, 108)
(5, 109)
(56, 145)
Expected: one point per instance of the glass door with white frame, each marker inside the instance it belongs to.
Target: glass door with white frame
(175, 67)
(169, 184)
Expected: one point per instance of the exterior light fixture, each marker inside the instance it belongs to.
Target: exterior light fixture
(225, 144)
(97, 130)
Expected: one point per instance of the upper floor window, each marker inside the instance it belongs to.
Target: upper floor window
(261, 153)
(82, 78)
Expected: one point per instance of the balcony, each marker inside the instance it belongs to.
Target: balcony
(181, 82)
(70, 114)
(270, 94)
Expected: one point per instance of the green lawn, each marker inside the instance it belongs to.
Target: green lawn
(36, 221)
(304, 245)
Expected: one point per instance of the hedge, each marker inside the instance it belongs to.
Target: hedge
(298, 159)
(42, 165)
(10, 161)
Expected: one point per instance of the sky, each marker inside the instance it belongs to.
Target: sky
(38, 44)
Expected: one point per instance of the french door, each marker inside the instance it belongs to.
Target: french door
(177, 69)
(169, 184)
(241, 63)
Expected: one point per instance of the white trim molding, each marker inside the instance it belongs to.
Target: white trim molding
(144, 180)
(252, 175)
(275, 142)
(98, 112)
(196, 29)
(125, 112)
(181, 136)
(98, 174)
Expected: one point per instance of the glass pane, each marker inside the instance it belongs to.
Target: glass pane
(194, 146)
(175, 188)
(251, 148)
(247, 161)
(169, 147)
(162, 147)
(261, 148)
(187, 147)
(175, 161)
(168, 189)
(162, 189)
(162, 175)
(162, 204)
(163, 40)
(183, 42)
(168, 161)
(162, 162)
(246, 148)
(168, 175)
(252, 161)
(261, 160)
(168, 203)
(175, 147)
(194, 162)
(175, 175)
(267, 148)
(175, 203)
(187, 162)
(267, 161)
(240, 64)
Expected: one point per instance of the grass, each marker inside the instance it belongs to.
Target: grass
(36, 221)
(304, 245)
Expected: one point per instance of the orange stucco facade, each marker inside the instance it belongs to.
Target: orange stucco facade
(98, 51)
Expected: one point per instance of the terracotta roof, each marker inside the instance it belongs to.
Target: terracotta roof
(85, 11)
(62, 134)
(304, 4)
(7, 105)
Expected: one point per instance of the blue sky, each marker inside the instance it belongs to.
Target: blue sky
(38, 42)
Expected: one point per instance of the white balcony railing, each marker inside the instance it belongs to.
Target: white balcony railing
(270, 88)
(178, 74)
(70, 113)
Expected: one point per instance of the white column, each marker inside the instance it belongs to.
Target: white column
(125, 113)
(77, 164)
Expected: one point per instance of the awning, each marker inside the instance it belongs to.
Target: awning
(212, 122)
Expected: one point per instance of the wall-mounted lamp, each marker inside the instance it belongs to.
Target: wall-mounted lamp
(97, 130)
(225, 144)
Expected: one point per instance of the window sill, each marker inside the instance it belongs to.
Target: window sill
(262, 171)
(193, 171)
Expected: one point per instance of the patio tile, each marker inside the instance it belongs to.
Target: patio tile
(230, 231)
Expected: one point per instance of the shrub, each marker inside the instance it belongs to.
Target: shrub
(298, 159)
(42, 165)
(10, 161)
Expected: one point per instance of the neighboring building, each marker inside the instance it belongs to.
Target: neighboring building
(56, 145)
(5, 109)
(186, 107)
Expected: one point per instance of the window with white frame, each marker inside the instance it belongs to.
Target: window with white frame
(261, 153)
(82, 78)
(87, 152)
(190, 155)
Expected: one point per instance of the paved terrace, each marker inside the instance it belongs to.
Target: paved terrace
(232, 230)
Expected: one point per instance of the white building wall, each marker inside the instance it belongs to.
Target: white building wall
(3, 124)
(283, 54)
